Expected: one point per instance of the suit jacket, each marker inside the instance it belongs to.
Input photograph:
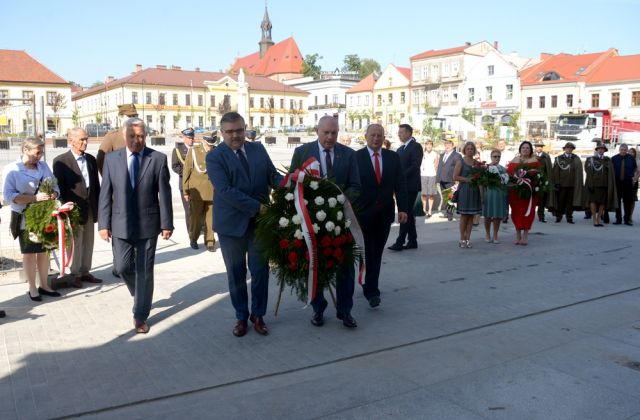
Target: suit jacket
(140, 212)
(376, 203)
(112, 141)
(345, 168)
(197, 184)
(178, 161)
(411, 159)
(445, 169)
(238, 196)
(73, 188)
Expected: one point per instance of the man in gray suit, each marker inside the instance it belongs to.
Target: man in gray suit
(444, 173)
(134, 208)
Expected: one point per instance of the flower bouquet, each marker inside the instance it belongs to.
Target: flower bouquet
(528, 181)
(305, 232)
(492, 178)
(478, 174)
(450, 201)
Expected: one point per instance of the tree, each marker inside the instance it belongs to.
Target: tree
(368, 66)
(57, 104)
(514, 124)
(96, 83)
(469, 115)
(98, 117)
(75, 116)
(351, 63)
(309, 66)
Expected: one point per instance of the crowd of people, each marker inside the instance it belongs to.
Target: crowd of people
(132, 204)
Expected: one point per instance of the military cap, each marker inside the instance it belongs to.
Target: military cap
(570, 145)
(601, 146)
(539, 143)
(189, 133)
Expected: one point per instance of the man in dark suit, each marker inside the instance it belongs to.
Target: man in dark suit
(444, 173)
(77, 175)
(411, 158)
(178, 158)
(337, 162)
(134, 208)
(241, 173)
(381, 177)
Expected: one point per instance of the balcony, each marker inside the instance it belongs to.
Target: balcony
(327, 106)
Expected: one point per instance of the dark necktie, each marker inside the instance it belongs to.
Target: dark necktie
(327, 159)
(622, 169)
(243, 161)
(135, 168)
(377, 167)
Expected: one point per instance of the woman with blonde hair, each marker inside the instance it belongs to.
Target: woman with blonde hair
(469, 200)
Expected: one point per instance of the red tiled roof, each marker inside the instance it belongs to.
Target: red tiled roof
(364, 85)
(570, 68)
(283, 57)
(616, 69)
(18, 66)
(406, 71)
(438, 53)
(185, 78)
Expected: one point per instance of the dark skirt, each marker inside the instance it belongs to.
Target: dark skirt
(27, 247)
(599, 195)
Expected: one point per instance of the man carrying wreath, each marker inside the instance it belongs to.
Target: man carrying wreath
(338, 163)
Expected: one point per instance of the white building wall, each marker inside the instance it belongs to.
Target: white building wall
(19, 116)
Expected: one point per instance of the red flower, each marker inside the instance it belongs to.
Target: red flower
(297, 243)
(340, 259)
(349, 238)
(55, 239)
(337, 253)
(293, 257)
(284, 244)
(49, 228)
(338, 241)
(329, 264)
(327, 252)
(476, 175)
(326, 241)
(293, 265)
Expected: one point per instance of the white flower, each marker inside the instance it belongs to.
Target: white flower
(314, 185)
(306, 203)
(337, 230)
(504, 178)
(298, 234)
(339, 215)
(316, 228)
(288, 197)
(321, 216)
(341, 198)
(493, 169)
(297, 220)
(347, 223)
(332, 202)
(329, 226)
(283, 222)
(546, 182)
(319, 201)
(34, 238)
(537, 189)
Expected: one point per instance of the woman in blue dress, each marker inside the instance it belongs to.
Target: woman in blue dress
(494, 202)
(469, 203)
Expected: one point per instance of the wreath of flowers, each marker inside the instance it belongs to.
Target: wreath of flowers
(279, 231)
(528, 181)
(450, 200)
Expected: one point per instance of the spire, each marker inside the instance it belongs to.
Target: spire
(266, 26)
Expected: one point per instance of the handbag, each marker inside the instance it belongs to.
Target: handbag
(14, 224)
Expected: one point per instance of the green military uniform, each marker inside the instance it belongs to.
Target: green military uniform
(544, 198)
(567, 177)
(196, 185)
(599, 186)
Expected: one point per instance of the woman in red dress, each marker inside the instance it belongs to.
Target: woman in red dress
(523, 209)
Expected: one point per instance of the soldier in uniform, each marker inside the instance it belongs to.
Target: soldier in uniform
(198, 192)
(567, 179)
(546, 168)
(177, 165)
(599, 186)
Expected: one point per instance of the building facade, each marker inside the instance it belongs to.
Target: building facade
(359, 99)
(391, 92)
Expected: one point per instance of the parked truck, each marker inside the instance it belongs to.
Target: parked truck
(595, 125)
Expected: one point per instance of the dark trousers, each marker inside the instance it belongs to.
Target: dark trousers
(542, 199)
(565, 202)
(134, 261)
(408, 230)
(375, 239)
(186, 207)
(625, 199)
(344, 292)
(235, 252)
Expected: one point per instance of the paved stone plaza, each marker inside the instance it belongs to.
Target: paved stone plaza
(548, 331)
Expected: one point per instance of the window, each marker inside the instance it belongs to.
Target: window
(315, 100)
(472, 94)
(292, 104)
(490, 70)
(261, 103)
(509, 92)
(300, 105)
(212, 101)
(569, 101)
(4, 94)
(134, 97)
(281, 121)
(402, 98)
(161, 100)
(175, 99)
(226, 102)
(635, 98)
(213, 121)
(554, 101)
(390, 81)
(187, 100)
(391, 99)
(455, 68)
(261, 121)
(416, 72)
(336, 98)
(445, 94)
(271, 103)
(595, 100)
(445, 69)
(291, 121)
(435, 70)
(27, 95)
(200, 102)
(188, 118)
(250, 104)
(281, 104)
(379, 100)
(366, 100)
(529, 102)
(357, 100)
(272, 121)
(200, 121)
(149, 119)
(326, 99)
(51, 98)
(615, 99)
(489, 93)
(541, 101)
(425, 71)
(148, 98)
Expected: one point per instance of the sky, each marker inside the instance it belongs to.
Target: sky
(87, 41)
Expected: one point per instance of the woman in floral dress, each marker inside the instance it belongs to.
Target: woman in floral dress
(469, 203)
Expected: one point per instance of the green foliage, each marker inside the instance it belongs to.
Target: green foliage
(515, 126)
(309, 130)
(493, 133)
(98, 117)
(310, 67)
(468, 115)
(96, 84)
(351, 63)
(434, 133)
(368, 66)
(42, 227)
(75, 116)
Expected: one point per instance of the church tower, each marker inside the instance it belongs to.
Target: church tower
(266, 42)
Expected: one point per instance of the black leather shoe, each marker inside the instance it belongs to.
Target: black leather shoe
(628, 223)
(194, 245)
(347, 320)
(396, 247)
(617, 222)
(541, 219)
(36, 298)
(570, 221)
(48, 293)
(410, 246)
(317, 319)
(558, 219)
(374, 301)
